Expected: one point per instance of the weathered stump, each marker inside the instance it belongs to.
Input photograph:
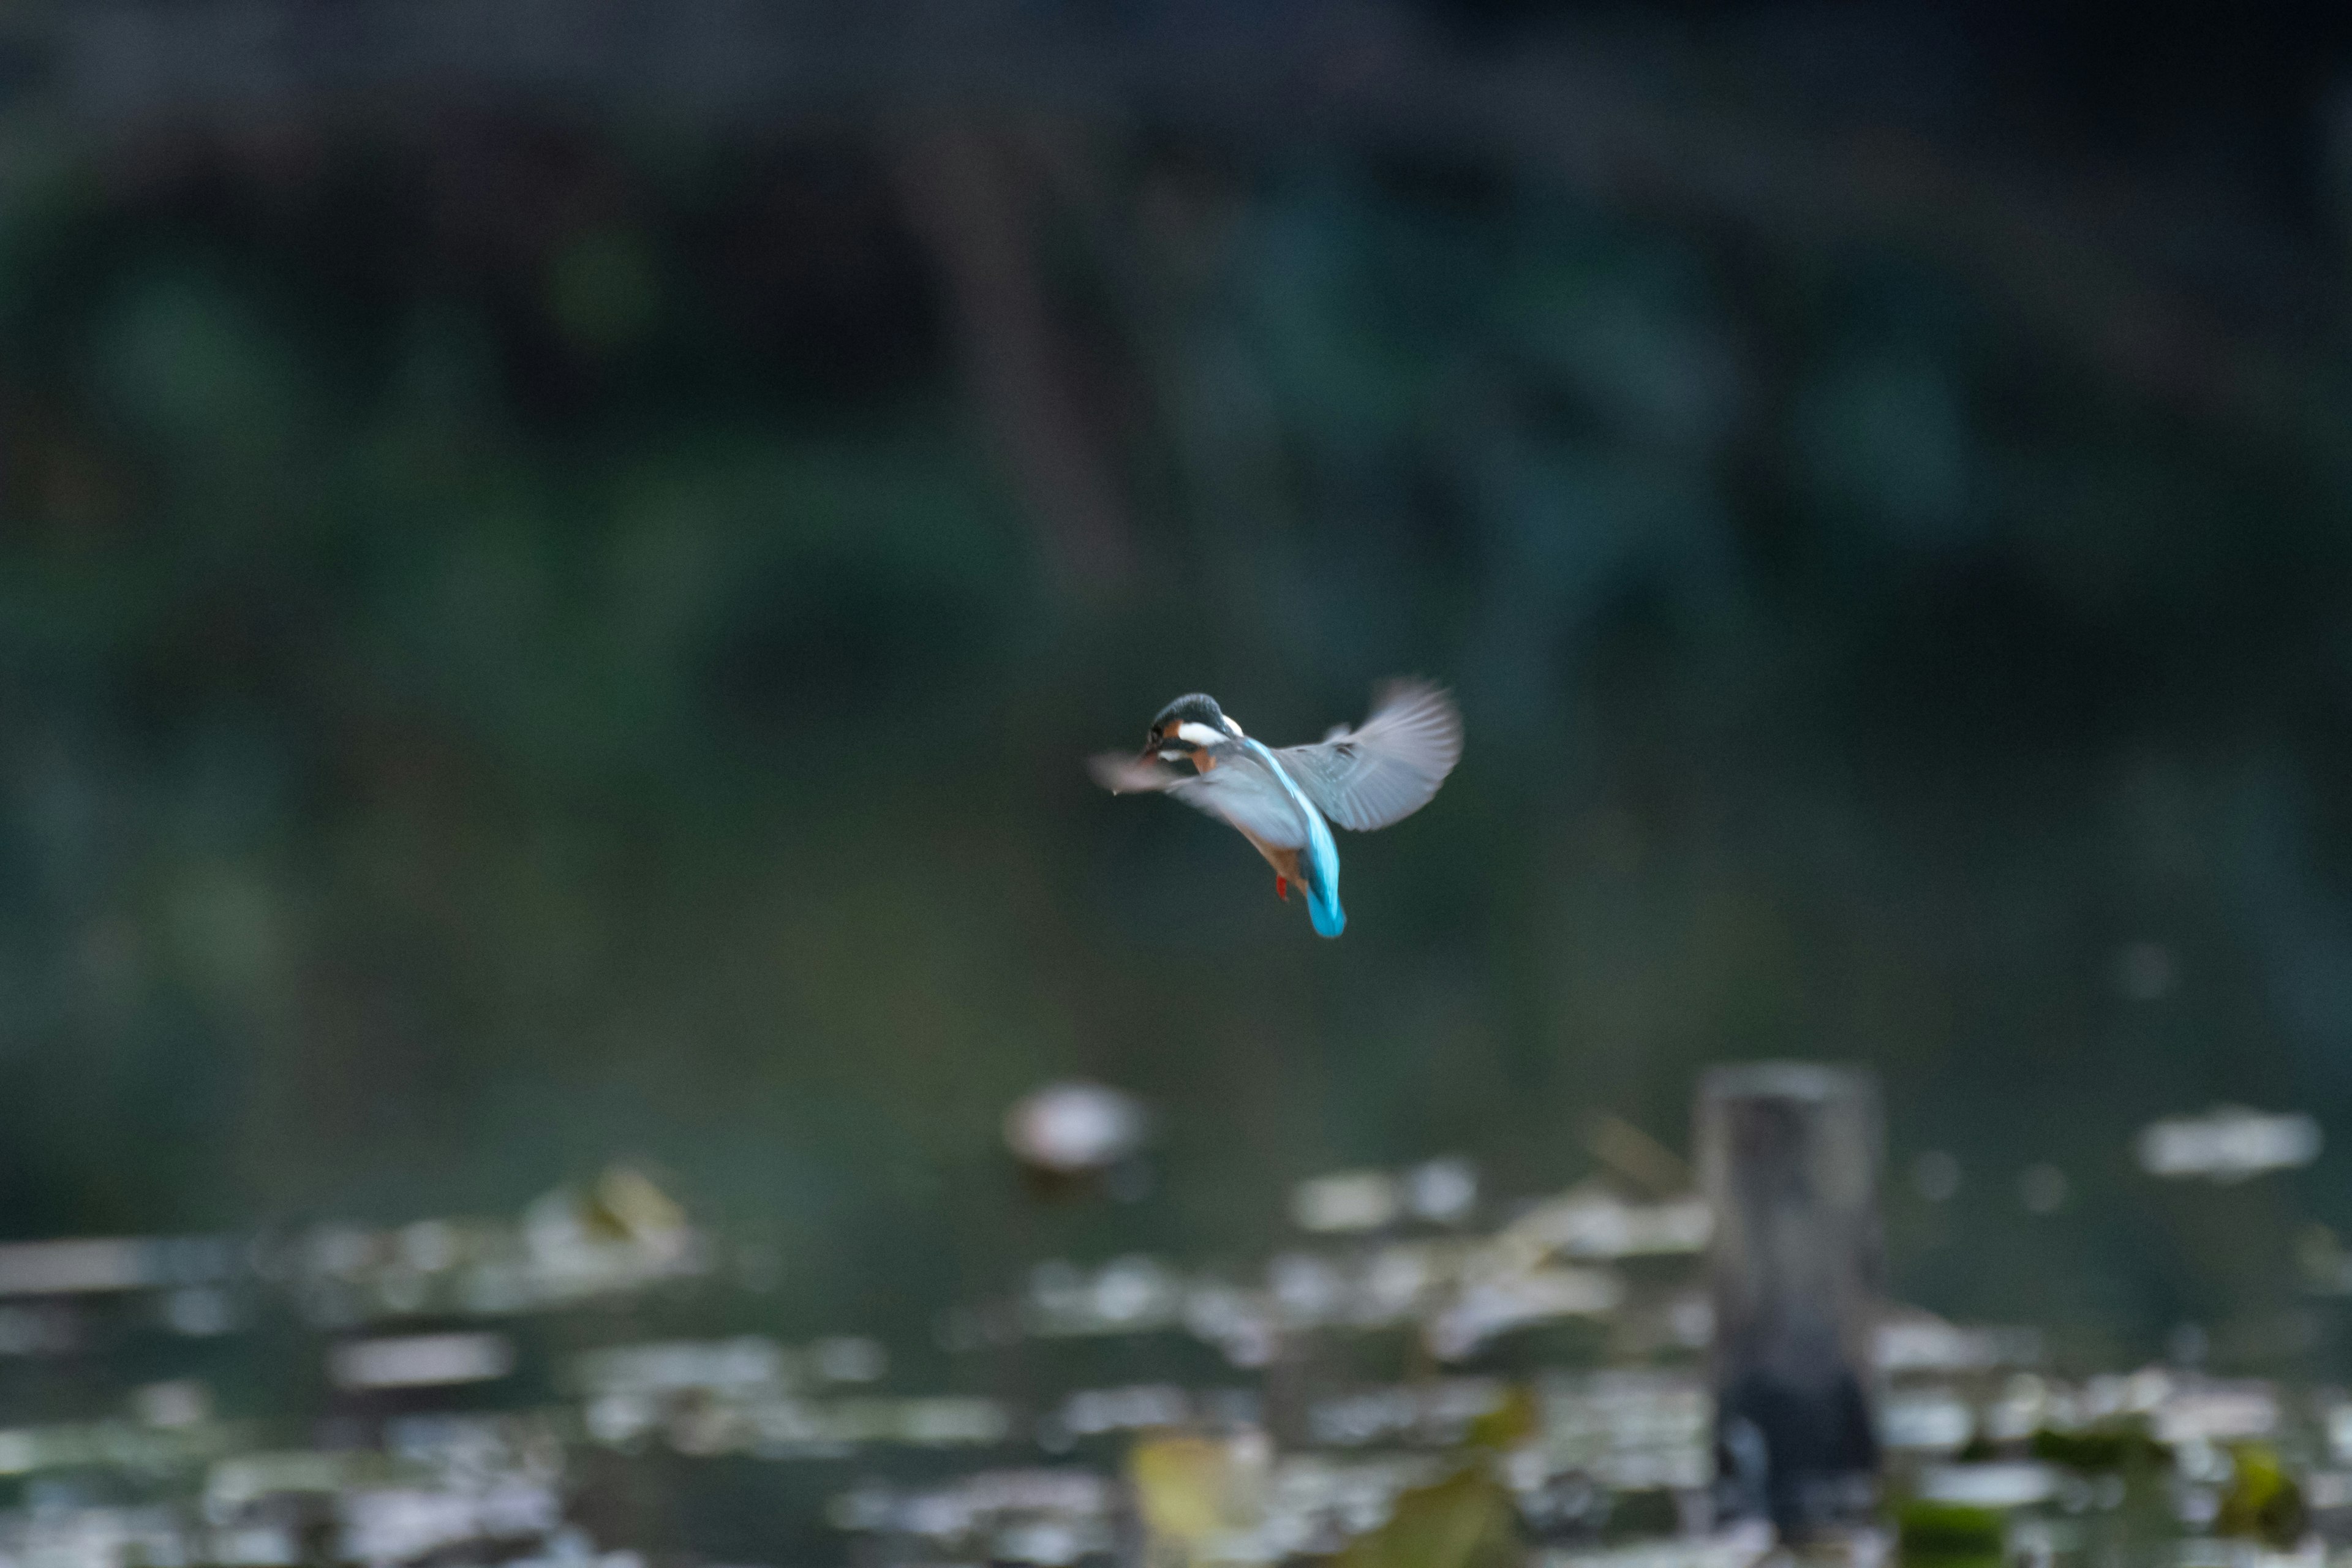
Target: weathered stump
(1789, 1158)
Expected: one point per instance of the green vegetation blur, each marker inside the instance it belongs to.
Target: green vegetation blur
(535, 637)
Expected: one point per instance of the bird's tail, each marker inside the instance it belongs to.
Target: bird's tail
(1321, 862)
(1329, 918)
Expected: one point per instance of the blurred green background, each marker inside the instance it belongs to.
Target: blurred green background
(551, 606)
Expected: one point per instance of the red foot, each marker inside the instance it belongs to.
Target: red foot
(1282, 887)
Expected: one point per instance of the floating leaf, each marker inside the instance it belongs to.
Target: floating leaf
(1508, 1425)
(2262, 1502)
(1190, 1489)
(2125, 1446)
(1463, 1521)
(1949, 1531)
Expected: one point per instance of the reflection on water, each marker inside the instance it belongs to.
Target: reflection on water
(1430, 1377)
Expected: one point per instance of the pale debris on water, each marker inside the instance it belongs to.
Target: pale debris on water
(1442, 1191)
(1593, 1221)
(1926, 1420)
(1997, 1486)
(1049, 1518)
(2214, 1411)
(1908, 1340)
(1628, 1428)
(1436, 1414)
(1738, 1546)
(1346, 1200)
(1490, 1306)
(421, 1361)
(2229, 1143)
(1074, 1127)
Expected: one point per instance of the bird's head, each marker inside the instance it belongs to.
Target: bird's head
(1187, 726)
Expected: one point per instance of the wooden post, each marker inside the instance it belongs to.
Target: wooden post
(1789, 1158)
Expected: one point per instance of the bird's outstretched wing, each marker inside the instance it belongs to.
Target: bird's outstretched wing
(1389, 767)
(1239, 790)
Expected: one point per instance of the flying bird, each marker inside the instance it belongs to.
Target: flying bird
(1379, 772)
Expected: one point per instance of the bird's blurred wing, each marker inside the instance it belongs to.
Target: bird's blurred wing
(1242, 791)
(1239, 790)
(1389, 767)
(1123, 773)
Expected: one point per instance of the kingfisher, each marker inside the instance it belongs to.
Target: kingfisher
(1381, 772)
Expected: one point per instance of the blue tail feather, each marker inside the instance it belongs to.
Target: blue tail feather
(1322, 863)
(1320, 857)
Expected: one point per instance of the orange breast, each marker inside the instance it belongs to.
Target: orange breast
(1283, 861)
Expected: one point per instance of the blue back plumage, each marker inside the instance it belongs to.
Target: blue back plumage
(1320, 857)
